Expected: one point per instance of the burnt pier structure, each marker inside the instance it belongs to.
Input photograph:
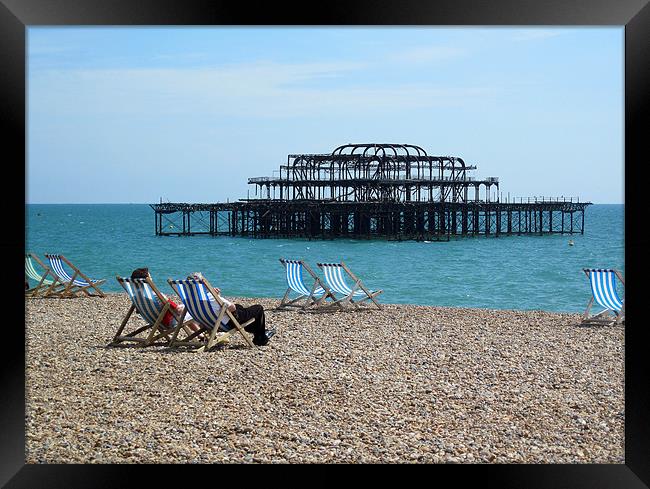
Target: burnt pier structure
(393, 191)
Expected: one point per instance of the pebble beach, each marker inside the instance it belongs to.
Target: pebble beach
(404, 384)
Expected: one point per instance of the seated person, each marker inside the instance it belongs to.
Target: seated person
(168, 321)
(258, 327)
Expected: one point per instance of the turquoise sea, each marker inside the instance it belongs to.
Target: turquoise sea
(508, 272)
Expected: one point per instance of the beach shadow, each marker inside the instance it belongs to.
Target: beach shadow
(172, 351)
(127, 346)
(365, 310)
(164, 348)
(598, 325)
(328, 310)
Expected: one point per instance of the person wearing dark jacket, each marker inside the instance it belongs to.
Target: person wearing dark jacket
(261, 335)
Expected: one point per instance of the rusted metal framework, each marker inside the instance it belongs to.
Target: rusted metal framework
(395, 191)
(374, 173)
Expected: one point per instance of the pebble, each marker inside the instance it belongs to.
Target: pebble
(405, 384)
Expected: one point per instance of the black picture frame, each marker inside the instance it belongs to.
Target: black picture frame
(17, 15)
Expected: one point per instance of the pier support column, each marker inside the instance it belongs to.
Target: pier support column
(464, 217)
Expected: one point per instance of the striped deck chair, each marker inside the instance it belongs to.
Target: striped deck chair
(44, 286)
(207, 314)
(334, 278)
(152, 306)
(75, 284)
(603, 292)
(307, 296)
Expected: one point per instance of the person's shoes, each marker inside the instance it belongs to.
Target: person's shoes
(263, 340)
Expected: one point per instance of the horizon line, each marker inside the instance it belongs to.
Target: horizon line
(170, 202)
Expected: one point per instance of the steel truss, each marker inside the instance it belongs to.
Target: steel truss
(395, 191)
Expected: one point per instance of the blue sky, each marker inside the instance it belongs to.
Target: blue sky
(187, 114)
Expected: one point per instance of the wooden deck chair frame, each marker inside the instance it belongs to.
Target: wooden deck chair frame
(304, 301)
(45, 286)
(71, 289)
(358, 285)
(154, 330)
(606, 317)
(207, 338)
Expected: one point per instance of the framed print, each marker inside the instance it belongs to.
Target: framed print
(134, 115)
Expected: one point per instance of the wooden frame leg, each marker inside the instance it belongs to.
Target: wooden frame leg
(122, 326)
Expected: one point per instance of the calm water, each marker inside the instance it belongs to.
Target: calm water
(513, 272)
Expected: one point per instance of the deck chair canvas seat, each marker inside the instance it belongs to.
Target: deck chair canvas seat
(152, 306)
(44, 286)
(603, 293)
(78, 283)
(214, 329)
(335, 280)
(308, 296)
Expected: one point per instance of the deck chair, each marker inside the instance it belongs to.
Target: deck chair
(213, 329)
(315, 295)
(603, 292)
(335, 280)
(75, 284)
(44, 286)
(152, 306)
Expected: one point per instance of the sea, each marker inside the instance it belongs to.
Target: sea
(505, 272)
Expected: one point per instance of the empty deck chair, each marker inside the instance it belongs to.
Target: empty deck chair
(308, 296)
(75, 284)
(44, 286)
(603, 293)
(216, 323)
(354, 295)
(152, 306)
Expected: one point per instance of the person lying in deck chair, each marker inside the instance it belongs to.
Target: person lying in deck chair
(168, 321)
(258, 327)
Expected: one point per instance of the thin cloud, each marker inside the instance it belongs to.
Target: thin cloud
(263, 90)
(428, 54)
(535, 34)
(37, 48)
(181, 56)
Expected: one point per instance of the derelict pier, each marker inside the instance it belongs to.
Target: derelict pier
(360, 191)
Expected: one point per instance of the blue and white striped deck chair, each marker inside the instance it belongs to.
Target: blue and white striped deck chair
(314, 295)
(44, 286)
(75, 284)
(603, 293)
(207, 313)
(152, 306)
(354, 295)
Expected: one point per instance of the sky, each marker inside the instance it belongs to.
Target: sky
(188, 114)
